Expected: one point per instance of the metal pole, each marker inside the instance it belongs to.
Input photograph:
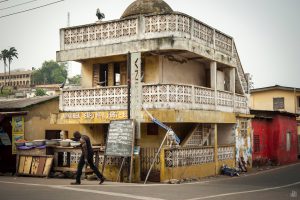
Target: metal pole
(120, 169)
(128, 83)
(156, 157)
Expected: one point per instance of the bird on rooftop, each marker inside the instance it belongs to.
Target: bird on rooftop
(99, 14)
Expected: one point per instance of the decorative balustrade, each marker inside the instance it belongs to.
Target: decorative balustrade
(226, 153)
(100, 33)
(225, 98)
(108, 98)
(160, 96)
(152, 26)
(188, 156)
(223, 43)
(241, 103)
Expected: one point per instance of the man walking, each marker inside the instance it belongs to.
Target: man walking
(86, 158)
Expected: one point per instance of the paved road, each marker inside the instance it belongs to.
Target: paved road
(280, 183)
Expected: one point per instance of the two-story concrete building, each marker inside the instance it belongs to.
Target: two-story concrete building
(184, 72)
(17, 78)
(279, 99)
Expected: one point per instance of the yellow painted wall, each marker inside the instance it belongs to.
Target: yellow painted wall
(38, 120)
(264, 100)
(151, 69)
(87, 74)
(94, 131)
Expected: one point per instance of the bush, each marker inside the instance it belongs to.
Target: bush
(40, 92)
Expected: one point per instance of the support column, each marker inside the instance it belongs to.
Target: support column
(213, 79)
(215, 128)
(110, 74)
(232, 86)
(123, 73)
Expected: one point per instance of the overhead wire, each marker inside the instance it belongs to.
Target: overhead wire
(3, 1)
(34, 8)
(18, 4)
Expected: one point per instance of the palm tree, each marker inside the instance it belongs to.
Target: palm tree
(4, 54)
(11, 53)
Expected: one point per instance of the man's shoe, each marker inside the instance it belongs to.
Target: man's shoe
(75, 183)
(102, 180)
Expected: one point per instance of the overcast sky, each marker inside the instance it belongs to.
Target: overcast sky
(266, 32)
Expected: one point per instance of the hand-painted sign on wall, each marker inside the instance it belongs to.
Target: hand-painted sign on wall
(136, 91)
(17, 123)
(91, 117)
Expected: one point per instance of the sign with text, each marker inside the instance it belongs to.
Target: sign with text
(120, 138)
(136, 90)
(90, 117)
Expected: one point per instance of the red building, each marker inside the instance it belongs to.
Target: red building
(274, 137)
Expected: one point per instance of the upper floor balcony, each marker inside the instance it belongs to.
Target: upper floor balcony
(148, 33)
(155, 96)
(145, 27)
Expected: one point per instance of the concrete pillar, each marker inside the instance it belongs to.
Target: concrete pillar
(213, 75)
(110, 74)
(232, 86)
(232, 80)
(215, 129)
(123, 73)
(213, 79)
(87, 74)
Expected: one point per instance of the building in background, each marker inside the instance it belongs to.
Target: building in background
(277, 98)
(275, 137)
(18, 78)
(186, 73)
(28, 119)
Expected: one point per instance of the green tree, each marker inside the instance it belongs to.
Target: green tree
(51, 72)
(11, 54)
(4, 56)
(40, 92)
(75, 80)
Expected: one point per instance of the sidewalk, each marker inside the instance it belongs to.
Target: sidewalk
(66, 182)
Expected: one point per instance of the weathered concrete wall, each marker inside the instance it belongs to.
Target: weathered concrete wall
(152, 66)
(220, 80)
(38, 120)
(226, 134)
(87, 74)
(244, 141)
(191, 72)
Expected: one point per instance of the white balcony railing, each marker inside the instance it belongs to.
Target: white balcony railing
(151, 26)
(160, 96)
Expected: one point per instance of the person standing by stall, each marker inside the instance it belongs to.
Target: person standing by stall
(86, 158)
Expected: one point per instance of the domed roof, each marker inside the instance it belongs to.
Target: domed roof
(147, 7)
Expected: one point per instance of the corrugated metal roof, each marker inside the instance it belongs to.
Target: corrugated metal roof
(275, 87)
(23, 103)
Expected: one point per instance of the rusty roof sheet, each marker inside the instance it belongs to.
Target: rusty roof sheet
(12, 104)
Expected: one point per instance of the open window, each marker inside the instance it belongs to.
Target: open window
(117, 74)
(103, 75)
